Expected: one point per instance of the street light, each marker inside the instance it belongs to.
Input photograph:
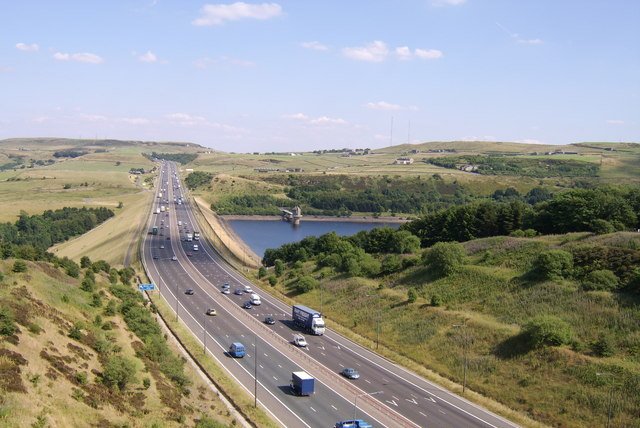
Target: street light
(465, 339)
(355, 401)
(378, 316)
(610, 404)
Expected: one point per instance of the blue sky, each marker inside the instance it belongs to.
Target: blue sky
(305, 75)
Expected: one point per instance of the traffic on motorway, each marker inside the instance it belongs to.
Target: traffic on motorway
(353, 386)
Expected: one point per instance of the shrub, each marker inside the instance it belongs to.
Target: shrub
(7, 322)
(85, 262)
(601, 227)
(118, 372)
(436, 300)
(305, 284)
(206, 422)
(547, 330)
(278, 267)
(412, 295)
(603, 346)
(262, 272)
(273, 280)
(553, 264)
(601, 280)
(75, 332)
(390, 264)
(446, 258)
(146, 383)
(19, 266)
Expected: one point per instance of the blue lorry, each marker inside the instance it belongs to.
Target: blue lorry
(308, 319)
(302, 383)
(354, 423)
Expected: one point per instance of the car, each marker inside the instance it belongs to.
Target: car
(247, 305)
(168, 238)
(211, 312)
(189, 292)
(299, 340)
(174, 258)
(226, 285)
(248, 289)
(155, 257)
(350, 373)
(189, 254)
(162, 247)
(226, 291)
(269, 320)
(238, 292)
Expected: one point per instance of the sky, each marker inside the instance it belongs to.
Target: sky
(303, 75)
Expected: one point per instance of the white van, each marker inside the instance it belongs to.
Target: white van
(255, 299)
(179, 222)
(195, 247)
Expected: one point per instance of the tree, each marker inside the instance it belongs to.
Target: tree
(446, 258)
(85, 262)
(118, 372)
(19, 266)
(273, 280)
(278, 267)
(390, 264)
(553, 264)
(602, 227)
(547, 330)
(602, 279)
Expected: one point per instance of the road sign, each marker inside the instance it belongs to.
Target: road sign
(146, 287)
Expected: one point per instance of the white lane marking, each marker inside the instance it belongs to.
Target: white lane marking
(422, 414)
(431, 398)
(367, 381)
(334, 407)
(442, 411)
(413, 400)
(261, 366)
(392, 402)
(395, 398)
(274, 378)
(313, 409)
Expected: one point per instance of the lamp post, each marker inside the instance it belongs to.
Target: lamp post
(464, 352)
(378, 316)
(355, 401)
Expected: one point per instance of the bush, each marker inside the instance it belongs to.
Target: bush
(262, 272)
(85, 262)
(412, 295)
(445, 258)
(553, 264)
(206, 422)
(305, 284)
(547, 330)
(436, 300)
(601, 227)
(278, 267)
(603, 346)
(19, 266)
(601, 280)
(390, 264)
(118, 372)
(8, 325)
(75, 332)
(273, 280)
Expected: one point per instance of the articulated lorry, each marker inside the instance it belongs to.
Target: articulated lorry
(354, 423)
(308, 319)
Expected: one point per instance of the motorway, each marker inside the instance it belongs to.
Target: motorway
(384, 395)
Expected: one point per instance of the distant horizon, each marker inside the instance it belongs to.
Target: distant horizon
(286, 75)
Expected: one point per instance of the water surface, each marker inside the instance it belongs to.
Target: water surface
(262, 234)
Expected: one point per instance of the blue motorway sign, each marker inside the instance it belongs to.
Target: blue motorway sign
(146, 287)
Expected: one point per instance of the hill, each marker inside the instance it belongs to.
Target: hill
(71, 357)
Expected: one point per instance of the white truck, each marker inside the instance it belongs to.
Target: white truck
(255, 299)
(189, 237)
(162, 208)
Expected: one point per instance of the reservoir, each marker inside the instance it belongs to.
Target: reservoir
(262, 234)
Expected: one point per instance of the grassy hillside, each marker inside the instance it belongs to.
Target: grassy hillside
(61, 359)
(483, 310)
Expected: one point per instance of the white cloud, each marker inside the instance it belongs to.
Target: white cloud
(447, 2)
(185, 119)
(27, 48)
(476, 138)
(530, 141)
(383, 105)
(403, 53)
(216, 14)
(316, 46)
(92, 117)
(40, 119)
(135, 120)
(79, 57)
(615, 122)
(428, 53)
(148, 57)
(322, 120)
(376, 51)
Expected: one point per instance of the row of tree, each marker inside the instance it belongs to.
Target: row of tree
(197, 179)
(595, 210)
(182, 158)
(31, 235)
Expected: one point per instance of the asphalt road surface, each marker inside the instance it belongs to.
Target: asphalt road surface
(384, 395)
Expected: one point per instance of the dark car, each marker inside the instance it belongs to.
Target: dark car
(247, 305)
(238, 292)
(189, 254)
(350, 373)
(212, 312)
(189, 291)
(155, 257)
(269, 320)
